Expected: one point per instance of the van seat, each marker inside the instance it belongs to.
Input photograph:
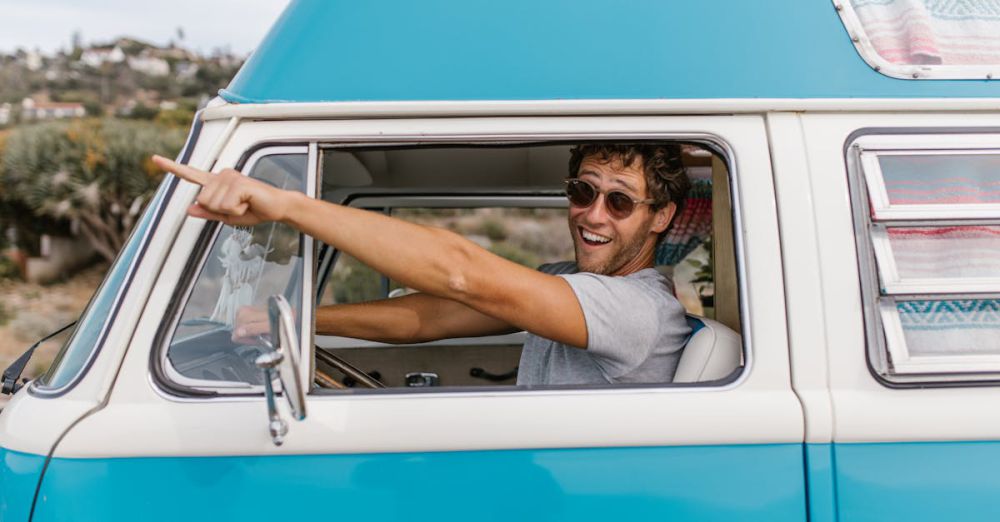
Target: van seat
(713, 352)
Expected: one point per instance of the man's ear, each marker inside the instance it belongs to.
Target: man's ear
(663, 217)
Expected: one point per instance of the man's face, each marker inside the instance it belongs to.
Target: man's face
(603, 244)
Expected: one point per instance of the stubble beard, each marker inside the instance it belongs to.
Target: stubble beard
(618, 259)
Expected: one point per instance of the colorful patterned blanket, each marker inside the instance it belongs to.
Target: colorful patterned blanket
(933, 32)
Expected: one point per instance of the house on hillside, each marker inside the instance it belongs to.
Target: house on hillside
(32, 110)
(97, 56)
(149, 64)
(33, 60)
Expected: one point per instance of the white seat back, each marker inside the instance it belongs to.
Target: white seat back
(712, 352)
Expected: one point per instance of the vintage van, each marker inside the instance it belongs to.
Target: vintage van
(845, 222)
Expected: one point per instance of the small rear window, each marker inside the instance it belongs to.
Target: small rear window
(926, 38)
(928, 213)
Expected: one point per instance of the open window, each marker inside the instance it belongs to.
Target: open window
(509, 199)
(928, 215)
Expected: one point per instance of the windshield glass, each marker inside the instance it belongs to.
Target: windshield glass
(83, 343)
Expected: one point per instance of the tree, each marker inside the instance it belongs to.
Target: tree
(93, 175)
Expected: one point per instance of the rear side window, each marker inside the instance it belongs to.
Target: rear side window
(928, 214)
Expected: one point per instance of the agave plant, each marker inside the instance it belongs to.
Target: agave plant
(92, 175)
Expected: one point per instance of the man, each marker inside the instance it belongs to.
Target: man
(611, 318)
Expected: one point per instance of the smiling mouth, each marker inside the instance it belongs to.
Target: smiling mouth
(593, 239)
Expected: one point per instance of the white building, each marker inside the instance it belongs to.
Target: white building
(33, 111)
(5, 113)
(149, 65)
(99, 56)
(33, 61)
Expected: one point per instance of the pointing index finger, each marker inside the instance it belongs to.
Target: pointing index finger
(184, 172)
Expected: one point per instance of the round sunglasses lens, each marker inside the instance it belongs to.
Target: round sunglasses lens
(580, 193)
(619, 205)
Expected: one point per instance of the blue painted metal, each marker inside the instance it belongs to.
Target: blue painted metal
(918, 481)
(19, 475)
(724, 483)
(338, 50)
(821, 488)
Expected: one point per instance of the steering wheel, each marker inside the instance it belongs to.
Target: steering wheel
(347, 369)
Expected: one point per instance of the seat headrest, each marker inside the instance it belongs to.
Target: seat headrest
(712, 352)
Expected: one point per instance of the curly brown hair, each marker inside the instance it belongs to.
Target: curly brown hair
(666, 178)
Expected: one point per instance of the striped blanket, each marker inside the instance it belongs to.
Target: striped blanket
(942, 179)
(951, 327)
(946, 252)
(691, 227)
(933, 32)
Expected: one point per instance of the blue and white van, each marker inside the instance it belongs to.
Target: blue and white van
(846, 367)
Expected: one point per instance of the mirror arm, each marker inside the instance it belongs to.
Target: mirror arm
(8, 383)
(281, 362)
(276, 425)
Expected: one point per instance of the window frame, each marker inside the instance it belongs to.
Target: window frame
(163, 372)
(887, 212)
(881, 285)
(710, 142)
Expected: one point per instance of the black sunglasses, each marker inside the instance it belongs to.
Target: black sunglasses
(618, 204)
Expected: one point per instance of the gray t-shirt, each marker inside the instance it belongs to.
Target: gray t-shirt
(635, 332)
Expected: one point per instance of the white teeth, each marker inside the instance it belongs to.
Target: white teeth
(590, 236)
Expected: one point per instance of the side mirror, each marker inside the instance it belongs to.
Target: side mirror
(283, 360)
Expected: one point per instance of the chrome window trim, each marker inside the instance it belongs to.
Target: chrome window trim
(170, 372)
(874, 60)
(883, 330)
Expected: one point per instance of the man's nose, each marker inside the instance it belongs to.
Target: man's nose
(597, 212)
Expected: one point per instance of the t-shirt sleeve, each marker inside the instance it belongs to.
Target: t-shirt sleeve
(626, 320)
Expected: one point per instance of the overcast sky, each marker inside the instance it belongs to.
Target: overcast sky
(208, 24)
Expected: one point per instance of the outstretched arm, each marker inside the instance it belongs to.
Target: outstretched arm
(431, 260)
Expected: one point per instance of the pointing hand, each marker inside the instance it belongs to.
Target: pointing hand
(231, 197)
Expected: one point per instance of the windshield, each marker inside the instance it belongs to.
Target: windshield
(83, 343)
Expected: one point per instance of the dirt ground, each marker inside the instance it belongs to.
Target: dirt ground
(30, 311)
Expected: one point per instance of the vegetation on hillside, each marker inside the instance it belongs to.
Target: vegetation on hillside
(87, 177)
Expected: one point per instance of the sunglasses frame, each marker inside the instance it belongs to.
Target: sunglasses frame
(607, 202)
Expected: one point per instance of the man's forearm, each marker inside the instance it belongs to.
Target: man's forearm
(428, 259)
(409, 319)
(380, 321)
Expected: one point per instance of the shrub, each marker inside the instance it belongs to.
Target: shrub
(90, 176)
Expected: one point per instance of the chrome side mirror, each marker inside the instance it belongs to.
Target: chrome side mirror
(283, 361)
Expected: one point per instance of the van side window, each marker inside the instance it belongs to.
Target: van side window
(511, 201)
(243, 268)
(930, 219)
